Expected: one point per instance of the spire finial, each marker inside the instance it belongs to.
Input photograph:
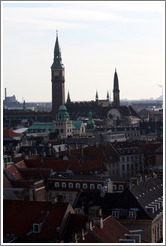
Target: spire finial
(56, 33)
(115, 70)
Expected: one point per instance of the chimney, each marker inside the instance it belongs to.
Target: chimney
(89, 225)
(83, 234)
(74, 238)
(98, 222)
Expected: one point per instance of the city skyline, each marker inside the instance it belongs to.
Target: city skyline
(95, 38)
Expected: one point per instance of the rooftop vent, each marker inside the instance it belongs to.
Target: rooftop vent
(121, 240)
(136, 237)
(150, 209)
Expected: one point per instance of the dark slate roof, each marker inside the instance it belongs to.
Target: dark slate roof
(152, 189)
(127, 111)
(111, 201)
(147, 192)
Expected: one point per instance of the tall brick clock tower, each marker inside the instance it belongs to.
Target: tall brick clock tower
(57, 79)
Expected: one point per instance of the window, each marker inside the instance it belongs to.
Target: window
(115, 214)
(56, 184)
(61, 130)
(123, 167)
(70, 197)
(99, 186)
(70, 185)
(132, 214)
(50, 195)
(36, 228)
(63, 185)
(85, 186)
(92, 186)
(64, 196)
(121, 187)
(77, 185)
(114, 187)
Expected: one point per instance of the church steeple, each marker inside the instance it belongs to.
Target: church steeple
(68, 98)
(57, 63)
(108, 95)
(97, 96)
(116, 101)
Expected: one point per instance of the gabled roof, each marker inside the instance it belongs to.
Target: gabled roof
(14, 173)
(77, 124)
(21, 164)
(10, 133)
(111, 232)
(16, 213)
(6, 182)
(40, 126)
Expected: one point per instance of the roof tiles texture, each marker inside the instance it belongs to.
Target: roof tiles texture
(16, 213)
(111, 232)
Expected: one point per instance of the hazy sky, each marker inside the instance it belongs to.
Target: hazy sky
(95, 38)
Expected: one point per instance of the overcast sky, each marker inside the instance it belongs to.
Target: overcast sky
(95, 38)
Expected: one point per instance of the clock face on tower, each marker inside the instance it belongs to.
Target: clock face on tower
(56, 73)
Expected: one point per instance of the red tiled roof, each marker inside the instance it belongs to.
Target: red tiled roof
(10, 133)
(56, 165)
(111, 232)
(12, 170)
(63, 165)
(21, 164)
(6, 182)
(84, 165)
(16, 213)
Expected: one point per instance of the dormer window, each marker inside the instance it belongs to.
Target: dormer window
(115, 213)
(37, 228)
(133, 213)
(92, 186)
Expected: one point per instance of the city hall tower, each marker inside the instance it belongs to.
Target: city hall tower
(57, 79)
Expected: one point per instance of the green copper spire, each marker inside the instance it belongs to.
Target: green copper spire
(57, 63)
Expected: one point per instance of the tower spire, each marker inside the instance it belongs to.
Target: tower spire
(107, 95)
(68, 97)
(116, 101)
(57, 63)
(97, 96)
(57, 79)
